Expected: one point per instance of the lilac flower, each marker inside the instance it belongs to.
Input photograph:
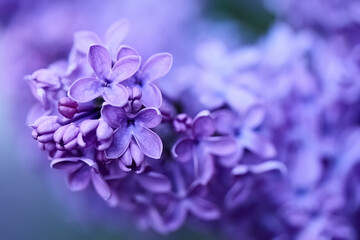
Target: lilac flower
(219, 81)
(82, 171)
(199, 145)
(108, 77)
(187, 200)
(245, 132)
(240, 190)
(136, 126)
(157, 66)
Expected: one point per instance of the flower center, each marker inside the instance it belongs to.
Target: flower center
(106, 82)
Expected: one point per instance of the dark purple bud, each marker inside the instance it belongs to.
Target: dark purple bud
(182, 122)
(67, 107)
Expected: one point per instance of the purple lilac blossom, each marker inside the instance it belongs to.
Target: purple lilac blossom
(100, 136)
(274, 155)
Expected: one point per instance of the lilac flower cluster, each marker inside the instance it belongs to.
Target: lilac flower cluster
(259, 141)
(105, 123)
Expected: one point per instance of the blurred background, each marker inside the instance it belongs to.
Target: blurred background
(34, 201)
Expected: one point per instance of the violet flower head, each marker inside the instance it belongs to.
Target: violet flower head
(259, 111)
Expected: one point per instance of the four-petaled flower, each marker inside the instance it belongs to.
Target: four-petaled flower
(108, 77)
(157, 66)
(137, 126)
(200, 145)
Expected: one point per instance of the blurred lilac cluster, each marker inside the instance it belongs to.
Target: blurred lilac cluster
(258, 141)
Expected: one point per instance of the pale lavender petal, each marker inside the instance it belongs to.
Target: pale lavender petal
(225, 121)
(232, 159)
(148, 117)
(116, 95)
(154, 182)
(126, 158)
(243, 103)
(268, 166)
(85, 89)
(120, 143)
(203, 209)
(254, 117)
(100, 185)
(157, 66)
(136, 153)
(203, 125)
(116, 34)
(125, 67)
(151, 95)
(79, 179)
(88, 125)
(100, 61)
(220, 146)
(70, 133)
(69, 164)
(257, 144)
(149, 143)
(103, 131)
(125, 51)
(84, 39)
(114, 116)
(183, 149)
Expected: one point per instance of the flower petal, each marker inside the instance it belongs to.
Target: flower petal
(176, 216)
(116, 34)
(225, 121)
(240, 99)
(183, 149)
(149, 142)
(100, 185)
(116, 95)
(114, 116)
(206, 167)
(103, 131)
(125, 67)
(238, 194)
(79, 179)
(203, 209)
(136, 154)
(268, 166)
(258, 144)
(125, 51)
(69, 164)
(151, 95)
(203, 125)
(254, 117)
(100, 60)
(220, 146)
(121, 141)
(148, 117)
(85, 89)
(84, 39)
(154, 182)
(157, 66)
